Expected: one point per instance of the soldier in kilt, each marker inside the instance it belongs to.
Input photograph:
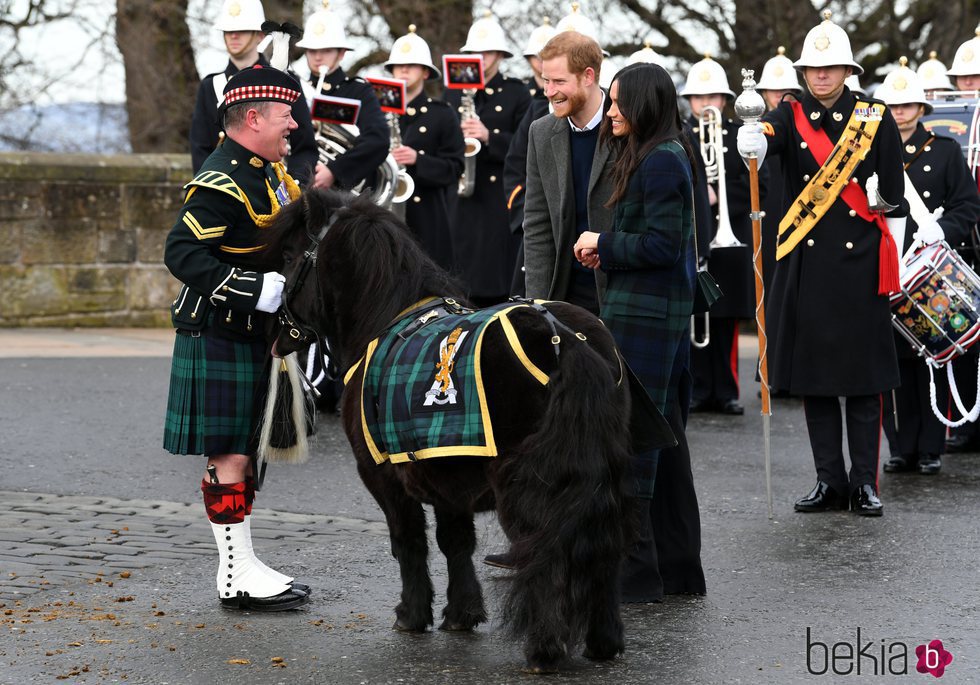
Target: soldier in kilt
(221, 315)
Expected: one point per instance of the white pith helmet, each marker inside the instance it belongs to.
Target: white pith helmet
(324, 30)
(412, 49)
(932, 74)
(827, 45)
(539, 37)
(902, 87)
(578, 22)
(778, 73)
(644, 55)
(706, 77)
(966, 61)
(240, 15)
(486, 35)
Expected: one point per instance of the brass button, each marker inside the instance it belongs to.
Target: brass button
(806, 177)
(928, 147)
(803, 145)
(327, 86)
(809, 242)
(927, 168)
(421, 152)
(193, 315)
(422, 129)
(493, 179)
(849, 245)
(499, 108)
(724, 131)
(489, 91)
(910, 149)
(224, 287)
(423, 109)
(926, 194)
(838, 116)
(814, 115)
(234, 162)
(852, 213)
(410, 111)
(496, 130)
(416, 199)
(854, 180)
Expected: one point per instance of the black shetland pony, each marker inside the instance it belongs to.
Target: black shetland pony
(560, 482)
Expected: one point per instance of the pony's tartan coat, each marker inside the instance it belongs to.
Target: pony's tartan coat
(649, 260)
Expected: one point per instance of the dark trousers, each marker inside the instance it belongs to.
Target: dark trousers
(666, 558)
(715, 367)
(911, 427)
(863, 421)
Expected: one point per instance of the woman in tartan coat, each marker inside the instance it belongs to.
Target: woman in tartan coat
(649, 260)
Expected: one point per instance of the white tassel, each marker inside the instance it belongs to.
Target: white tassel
(300, 452)
(966, 416)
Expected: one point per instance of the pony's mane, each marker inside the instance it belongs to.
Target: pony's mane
(374, 266)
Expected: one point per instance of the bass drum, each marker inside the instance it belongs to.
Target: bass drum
(938, 307)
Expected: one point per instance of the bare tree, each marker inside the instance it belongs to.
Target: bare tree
(161, 79)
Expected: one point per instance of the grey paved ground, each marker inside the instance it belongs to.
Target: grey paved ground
(106, 560)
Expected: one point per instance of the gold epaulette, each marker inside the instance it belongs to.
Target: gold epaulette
(223, 183)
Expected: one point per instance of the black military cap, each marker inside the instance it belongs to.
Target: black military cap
(261, 84)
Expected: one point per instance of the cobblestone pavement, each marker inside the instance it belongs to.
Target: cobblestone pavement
(49, 541)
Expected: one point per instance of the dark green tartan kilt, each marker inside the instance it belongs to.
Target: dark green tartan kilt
(216, 389)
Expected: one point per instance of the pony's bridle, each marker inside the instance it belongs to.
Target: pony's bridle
(298, 331)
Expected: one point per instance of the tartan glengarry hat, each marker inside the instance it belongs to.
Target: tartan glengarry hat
(260, 84)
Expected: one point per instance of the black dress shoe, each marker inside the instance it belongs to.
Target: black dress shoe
(289, 599)
(959, 442)
(504, 561)
(865, 502)
(302, 587)
(930, 464)
(821, 498)
(732, 408)
(900, 464)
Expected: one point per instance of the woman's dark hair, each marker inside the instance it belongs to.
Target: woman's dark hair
(647, 101)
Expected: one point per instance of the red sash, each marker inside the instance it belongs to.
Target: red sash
(820, 146)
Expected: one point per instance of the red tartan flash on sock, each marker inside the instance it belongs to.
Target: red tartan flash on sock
(224, 502)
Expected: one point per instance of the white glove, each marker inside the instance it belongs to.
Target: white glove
(930, 232)
(752, 142)
(271, 296)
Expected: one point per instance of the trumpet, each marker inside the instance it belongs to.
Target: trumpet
(709, 134)
(404, 183)
(467, 180)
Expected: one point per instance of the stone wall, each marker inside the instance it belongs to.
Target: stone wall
(81, 238)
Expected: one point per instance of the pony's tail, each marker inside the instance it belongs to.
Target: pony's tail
(564, 497)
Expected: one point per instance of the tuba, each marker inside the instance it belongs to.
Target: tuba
(404, 183)
(467, 181)
(333, 140)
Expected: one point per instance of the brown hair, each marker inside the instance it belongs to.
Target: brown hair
(581, 52)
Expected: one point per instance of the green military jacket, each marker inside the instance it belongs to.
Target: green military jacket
(217, 240)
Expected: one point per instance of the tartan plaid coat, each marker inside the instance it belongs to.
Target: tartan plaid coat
(649, 261)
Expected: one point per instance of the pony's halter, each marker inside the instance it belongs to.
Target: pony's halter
(298, 331)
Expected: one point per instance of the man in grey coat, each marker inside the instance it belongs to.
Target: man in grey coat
(568, 174)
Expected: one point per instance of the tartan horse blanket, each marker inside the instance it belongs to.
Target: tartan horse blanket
(422, 394)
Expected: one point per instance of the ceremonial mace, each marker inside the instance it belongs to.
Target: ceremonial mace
(749, 107)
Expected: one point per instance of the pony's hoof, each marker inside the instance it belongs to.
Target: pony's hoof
(454, 626)
(604, 654)
(403, 627)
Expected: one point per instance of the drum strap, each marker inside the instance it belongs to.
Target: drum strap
(838, 163)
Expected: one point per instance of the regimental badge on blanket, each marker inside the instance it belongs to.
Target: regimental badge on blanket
(443, 390)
